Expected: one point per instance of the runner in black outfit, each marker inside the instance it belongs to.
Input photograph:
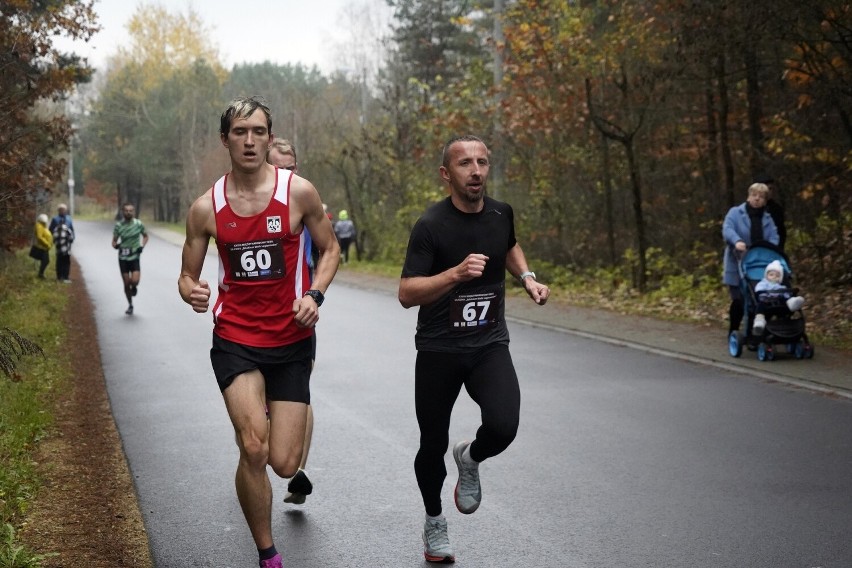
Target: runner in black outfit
(455, 270)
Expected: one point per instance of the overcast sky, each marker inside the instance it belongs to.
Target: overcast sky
(281, 31)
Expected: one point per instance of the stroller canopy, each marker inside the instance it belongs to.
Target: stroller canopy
(753, 262)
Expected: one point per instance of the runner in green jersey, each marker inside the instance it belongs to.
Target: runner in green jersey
(129, 237)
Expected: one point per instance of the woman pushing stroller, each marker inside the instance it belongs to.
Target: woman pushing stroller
(744, 225)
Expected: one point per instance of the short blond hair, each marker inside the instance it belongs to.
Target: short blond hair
(759, 189)
(284, 147)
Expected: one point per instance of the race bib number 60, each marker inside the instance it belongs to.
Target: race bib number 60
(473, 310)
(257, 260)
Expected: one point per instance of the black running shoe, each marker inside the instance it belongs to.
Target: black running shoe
(298, 488)
(133, 289)
(129, 310)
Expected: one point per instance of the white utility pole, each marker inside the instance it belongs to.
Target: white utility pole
(71, 179)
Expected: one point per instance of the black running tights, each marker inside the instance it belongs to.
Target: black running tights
(489, 377)
(736, 311)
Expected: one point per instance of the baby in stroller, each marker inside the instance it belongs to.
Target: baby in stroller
(774, 297)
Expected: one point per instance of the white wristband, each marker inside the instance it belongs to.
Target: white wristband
(525, 274)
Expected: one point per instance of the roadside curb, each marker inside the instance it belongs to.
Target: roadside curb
(730, 367)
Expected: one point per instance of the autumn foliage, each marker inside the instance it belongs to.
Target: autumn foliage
(35, 79)
(621, 131)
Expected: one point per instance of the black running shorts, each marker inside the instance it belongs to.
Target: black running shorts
(286, 369)
(127, 266)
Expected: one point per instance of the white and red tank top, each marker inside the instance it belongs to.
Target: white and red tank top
(261, 270)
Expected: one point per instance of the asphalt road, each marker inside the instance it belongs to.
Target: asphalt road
(625, 458)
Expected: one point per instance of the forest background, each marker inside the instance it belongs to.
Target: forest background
(621, 131)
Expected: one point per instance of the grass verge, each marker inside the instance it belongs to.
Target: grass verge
(33, 309)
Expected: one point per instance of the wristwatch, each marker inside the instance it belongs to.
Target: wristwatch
(317, 296)
(523, 276)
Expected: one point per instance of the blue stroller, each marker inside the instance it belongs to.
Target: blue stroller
(782, 326)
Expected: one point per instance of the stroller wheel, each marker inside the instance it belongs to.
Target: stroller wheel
(799, 350)
(809, 351)
(735, 344)
(765, 352)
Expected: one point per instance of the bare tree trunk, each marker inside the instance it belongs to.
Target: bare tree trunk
(755, 107)
(714, 159)
(724, 138)
(638, 216)
(615, 132)
(610, 215)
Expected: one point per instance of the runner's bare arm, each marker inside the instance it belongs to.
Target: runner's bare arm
(305, 195)
(308, 208)
(516, 264)
(200, 226)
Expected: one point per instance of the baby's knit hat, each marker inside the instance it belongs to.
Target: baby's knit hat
(774, 265)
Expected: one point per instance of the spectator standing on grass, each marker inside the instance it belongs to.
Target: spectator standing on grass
(62, 229)
(345, 231)
(43, 242)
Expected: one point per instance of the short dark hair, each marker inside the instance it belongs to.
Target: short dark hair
(243, 107)
(445, 159)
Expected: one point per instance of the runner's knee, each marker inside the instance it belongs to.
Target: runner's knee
(254, 449)
(285, 465)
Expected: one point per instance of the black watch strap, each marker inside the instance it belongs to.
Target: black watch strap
(318, 296)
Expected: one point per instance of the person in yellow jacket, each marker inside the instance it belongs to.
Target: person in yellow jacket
(42, 245)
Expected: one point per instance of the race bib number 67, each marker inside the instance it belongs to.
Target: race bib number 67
(473, 310)
(257, 260)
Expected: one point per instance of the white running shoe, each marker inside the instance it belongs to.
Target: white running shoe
(436, 543)
(468, 492)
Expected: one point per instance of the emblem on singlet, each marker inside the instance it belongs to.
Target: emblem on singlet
(474, 309)
(256, 260)
(273, 224)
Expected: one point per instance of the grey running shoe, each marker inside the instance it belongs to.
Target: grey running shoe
(298, 488)
(468, 493)
(436, 543)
